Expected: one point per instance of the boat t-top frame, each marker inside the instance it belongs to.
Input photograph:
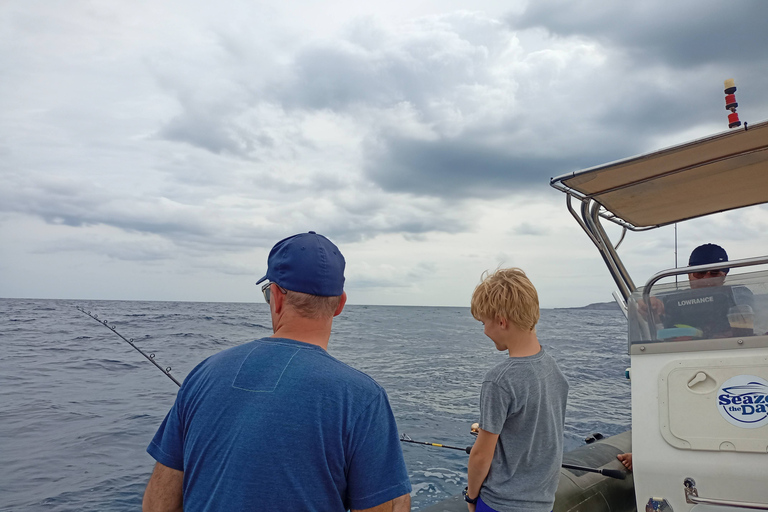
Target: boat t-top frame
(710, 175)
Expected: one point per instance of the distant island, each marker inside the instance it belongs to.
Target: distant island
(598, 306)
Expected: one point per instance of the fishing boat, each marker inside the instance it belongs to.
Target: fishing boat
(699, 420)
(699, 432)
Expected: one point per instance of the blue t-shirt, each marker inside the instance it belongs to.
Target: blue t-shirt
(278, 424)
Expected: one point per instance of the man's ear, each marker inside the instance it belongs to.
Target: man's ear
(503, 323)
(277, 298)
(342, 302)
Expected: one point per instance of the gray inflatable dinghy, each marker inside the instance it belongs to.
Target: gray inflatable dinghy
(582, 491)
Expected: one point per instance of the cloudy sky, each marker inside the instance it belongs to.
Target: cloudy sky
(156, 150)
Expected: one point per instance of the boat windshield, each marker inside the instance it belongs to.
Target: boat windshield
(716, 307)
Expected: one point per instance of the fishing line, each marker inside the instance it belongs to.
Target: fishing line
(611, 473)
(150, 357)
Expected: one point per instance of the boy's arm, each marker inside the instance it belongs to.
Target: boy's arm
(480, 461)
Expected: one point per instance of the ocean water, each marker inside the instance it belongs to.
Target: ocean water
(78, 405)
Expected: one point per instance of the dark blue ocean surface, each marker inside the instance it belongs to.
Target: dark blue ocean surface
(78, 405)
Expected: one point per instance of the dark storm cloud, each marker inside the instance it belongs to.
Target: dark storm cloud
(371, 66)
(86, 208)
(196, 229)
(78, 202)
(118, 250)
(339, 77)
(368, 218)
(205, 130)
(520, 154)
(584, 116)
(638, 80)
(684, 33)
(631, 115)
(334, 79)
(206, 118)
(457, 168)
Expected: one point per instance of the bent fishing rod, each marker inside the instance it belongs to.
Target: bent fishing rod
(150, 357)
(610, 473)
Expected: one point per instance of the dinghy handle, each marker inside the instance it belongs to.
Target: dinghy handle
(692, 496)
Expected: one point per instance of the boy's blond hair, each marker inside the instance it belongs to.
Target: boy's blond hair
(506, 293)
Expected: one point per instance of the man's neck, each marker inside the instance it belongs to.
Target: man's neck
(314, 332)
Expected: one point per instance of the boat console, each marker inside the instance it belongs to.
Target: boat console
(737, 308)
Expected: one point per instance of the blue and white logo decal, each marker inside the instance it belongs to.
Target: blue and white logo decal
(743, 401)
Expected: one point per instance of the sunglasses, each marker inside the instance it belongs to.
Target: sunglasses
(711, 273)
(266, 289)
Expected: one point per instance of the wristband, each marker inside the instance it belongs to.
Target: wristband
(464, 493)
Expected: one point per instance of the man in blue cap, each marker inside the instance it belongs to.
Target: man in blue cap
(702, 255)
(277, 423)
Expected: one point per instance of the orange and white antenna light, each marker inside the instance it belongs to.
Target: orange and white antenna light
(731, 104)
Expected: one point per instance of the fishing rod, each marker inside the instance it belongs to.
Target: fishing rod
(150, 357)
(610, 473)
(407, 439)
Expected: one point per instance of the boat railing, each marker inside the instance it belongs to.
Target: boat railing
(692, 496)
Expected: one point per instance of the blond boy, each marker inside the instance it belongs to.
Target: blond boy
(515, 462)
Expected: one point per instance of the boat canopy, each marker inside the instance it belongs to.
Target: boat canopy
(709, 175)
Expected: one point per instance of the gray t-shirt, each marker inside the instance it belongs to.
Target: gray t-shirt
(523, 400)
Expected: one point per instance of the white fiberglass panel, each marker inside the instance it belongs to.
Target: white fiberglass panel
(718, 404)
(660, 467)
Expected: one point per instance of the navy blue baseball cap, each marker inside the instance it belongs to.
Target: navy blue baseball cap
(707, 253)
(307, 263)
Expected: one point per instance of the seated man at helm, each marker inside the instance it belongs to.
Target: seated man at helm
(712, 321)
(701, 255)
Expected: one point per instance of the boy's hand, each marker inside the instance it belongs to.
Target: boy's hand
(471, 507)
